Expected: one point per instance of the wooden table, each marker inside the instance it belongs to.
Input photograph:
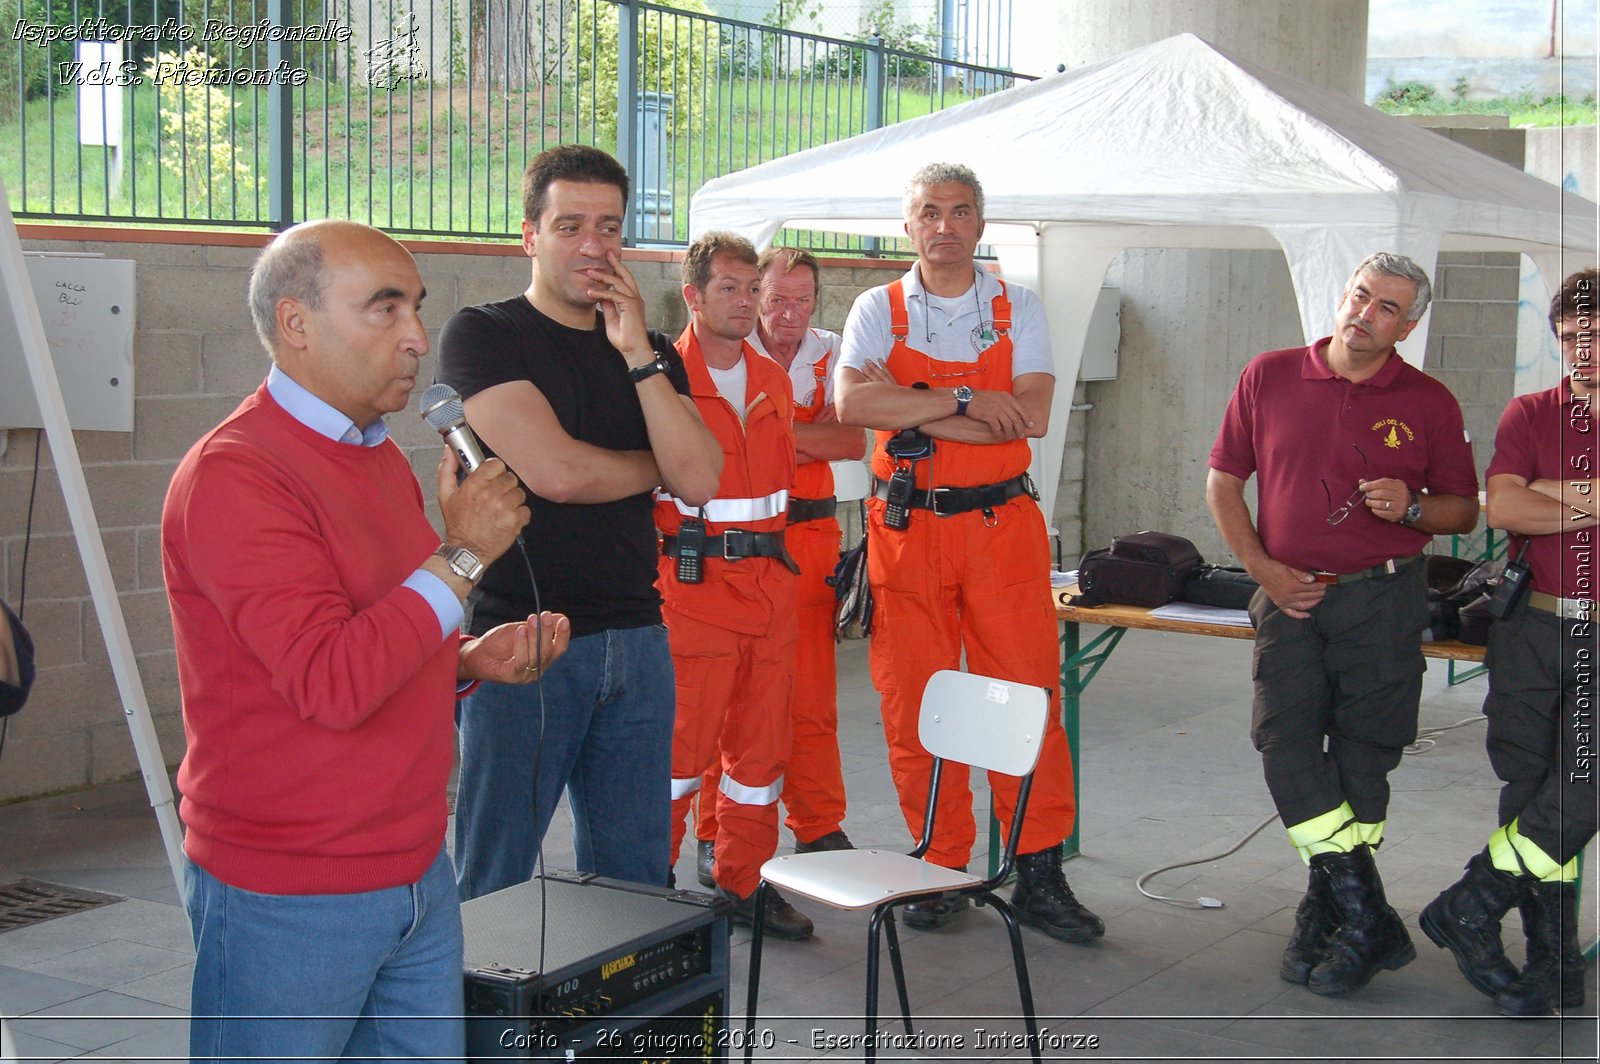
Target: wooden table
(1075, 658)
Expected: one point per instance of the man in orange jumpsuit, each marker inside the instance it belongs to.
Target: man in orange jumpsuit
(728, 583)
(952, 367)
(813, 784)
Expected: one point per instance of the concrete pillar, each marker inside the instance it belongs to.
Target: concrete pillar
(1324, 42)
(1190, 319)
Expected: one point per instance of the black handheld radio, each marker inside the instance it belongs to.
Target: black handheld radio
(907, 448)
(691, 551)
(1507, 591)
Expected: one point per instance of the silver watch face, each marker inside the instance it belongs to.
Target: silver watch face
(462, 562)
(963, 394)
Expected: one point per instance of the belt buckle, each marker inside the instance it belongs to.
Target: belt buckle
(934, 497)
(731, 536)
(1322, 576)
(1030, 487)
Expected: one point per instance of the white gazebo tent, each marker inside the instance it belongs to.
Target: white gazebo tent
(1176, 144)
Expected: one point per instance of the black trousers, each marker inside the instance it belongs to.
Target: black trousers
(1336, 694)
(1541, 737)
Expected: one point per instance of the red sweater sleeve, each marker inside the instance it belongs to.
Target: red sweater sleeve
(315, 613)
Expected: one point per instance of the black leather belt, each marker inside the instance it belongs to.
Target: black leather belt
(1388, 568)
(802, 510)
(736, 544)
(945, 502)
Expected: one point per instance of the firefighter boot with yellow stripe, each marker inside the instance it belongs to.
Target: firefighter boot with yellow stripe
(1371, 936)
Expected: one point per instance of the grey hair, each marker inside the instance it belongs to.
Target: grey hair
(287, 268)
(1392, 265)
(940, 173)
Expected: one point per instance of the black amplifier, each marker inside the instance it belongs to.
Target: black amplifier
(628, 972)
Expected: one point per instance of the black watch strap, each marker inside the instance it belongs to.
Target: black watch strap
(648, 370)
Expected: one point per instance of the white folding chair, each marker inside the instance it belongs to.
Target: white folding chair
(974, 720)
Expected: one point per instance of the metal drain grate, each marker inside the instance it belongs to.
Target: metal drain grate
(24, 902)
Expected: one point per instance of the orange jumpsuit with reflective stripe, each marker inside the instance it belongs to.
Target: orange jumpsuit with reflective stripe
(976, 581)
(733, 634)
(813, 784)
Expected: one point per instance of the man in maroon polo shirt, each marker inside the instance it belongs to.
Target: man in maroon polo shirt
(1361, 459)
(1540, 706)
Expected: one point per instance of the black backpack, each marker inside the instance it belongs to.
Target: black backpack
(1144, 569)
(1455, 588)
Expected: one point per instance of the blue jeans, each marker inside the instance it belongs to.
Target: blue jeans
(326, 976)
(605, 737)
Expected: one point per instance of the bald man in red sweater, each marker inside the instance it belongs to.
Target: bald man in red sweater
(315, 614)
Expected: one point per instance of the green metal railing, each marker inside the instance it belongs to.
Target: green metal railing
(418, 118)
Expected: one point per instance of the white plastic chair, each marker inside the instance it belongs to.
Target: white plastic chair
(974, 720)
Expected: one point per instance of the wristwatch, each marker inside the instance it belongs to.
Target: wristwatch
(648, 370)
(461, 561)
(963, 397)
(1413, 512)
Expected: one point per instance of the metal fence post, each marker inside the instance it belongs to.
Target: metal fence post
(877, 96)
(280, 126)
(628, 101)
(877, 81)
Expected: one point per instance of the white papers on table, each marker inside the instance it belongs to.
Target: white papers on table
(1198, 614)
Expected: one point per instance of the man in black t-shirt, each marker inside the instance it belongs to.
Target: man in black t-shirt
(591, 411)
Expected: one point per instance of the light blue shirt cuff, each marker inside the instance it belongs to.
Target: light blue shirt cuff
(437, 593)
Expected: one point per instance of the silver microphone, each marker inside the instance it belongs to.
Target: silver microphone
(441, 407)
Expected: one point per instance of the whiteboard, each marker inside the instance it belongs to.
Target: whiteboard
(87, 305)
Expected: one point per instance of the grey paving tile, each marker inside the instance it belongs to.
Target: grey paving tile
(38, 1050)
(105, 964)
(29, 946)
(1567, 1039)
(162, 925)
(23, 991)
(99, 1020)
(167, 1042)
(170, 987)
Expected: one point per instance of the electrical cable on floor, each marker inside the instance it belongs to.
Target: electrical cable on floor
(1423, 743)
(1202, 902)
(1424, 739)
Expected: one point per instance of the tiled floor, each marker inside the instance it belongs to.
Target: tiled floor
(1168, 775)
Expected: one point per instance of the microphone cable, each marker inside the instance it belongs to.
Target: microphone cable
(538, 755)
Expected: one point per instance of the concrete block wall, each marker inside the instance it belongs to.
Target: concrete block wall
(1472, 338)
(1190, 321)
(195, 357)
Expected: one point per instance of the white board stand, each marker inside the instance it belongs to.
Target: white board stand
(18, 293)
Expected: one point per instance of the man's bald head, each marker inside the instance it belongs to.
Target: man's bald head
(292, 267)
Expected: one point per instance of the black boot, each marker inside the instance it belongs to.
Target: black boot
(783, 920)
(705, 862)
(1370, 935)
(1465, 919)
(1555, 970)
(935, 912)
(1042, 899)
(833, 840)
(1314, 925)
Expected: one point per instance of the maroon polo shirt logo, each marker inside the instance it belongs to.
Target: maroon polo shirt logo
(1391, 430)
